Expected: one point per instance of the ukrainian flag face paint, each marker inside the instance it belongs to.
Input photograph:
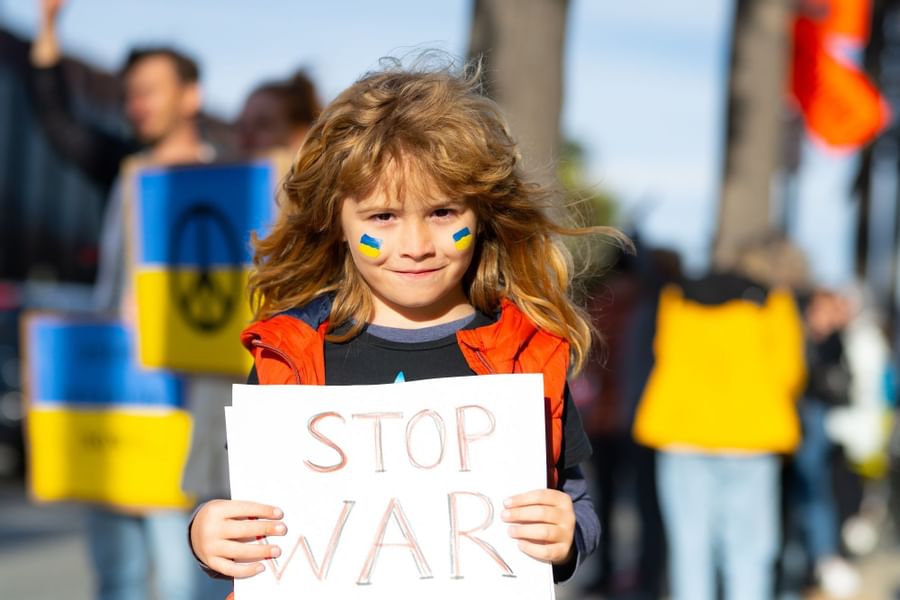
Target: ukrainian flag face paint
(462, 239)
(369, 246)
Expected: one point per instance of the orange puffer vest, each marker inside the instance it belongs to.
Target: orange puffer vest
(289, 349)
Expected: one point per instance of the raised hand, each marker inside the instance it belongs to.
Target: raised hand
(45, 47)
(50, 10)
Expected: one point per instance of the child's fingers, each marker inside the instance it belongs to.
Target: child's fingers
(252, 529)
(533, 513)
(248, 552)
(244, 509)
(542, 496)
(537, 532)
(232, 569)
(551, 553)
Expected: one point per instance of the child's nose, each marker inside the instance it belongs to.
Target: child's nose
(416, 241)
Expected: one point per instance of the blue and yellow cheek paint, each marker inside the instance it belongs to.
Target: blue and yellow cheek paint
(369, 246)
(462, 239)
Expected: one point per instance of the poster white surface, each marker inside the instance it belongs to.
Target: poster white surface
(392, 491)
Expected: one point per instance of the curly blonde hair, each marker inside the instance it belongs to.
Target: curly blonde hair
(436, 123)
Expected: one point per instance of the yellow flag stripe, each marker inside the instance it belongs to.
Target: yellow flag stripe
(111, 457)
(170, 305)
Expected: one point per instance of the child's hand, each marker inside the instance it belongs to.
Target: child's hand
(224, 535)
(543, 522)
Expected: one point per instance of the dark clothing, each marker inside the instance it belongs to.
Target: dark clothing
(716, 289)
(370, 359)
(829, 378)
(98, 153)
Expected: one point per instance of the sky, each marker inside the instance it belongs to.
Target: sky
(644, 90)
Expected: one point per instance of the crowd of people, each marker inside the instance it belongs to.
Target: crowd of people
(732, 412)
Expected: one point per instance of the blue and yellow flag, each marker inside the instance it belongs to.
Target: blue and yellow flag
(99, 428)
(191, 253)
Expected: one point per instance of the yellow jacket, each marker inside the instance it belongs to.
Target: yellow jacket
(726, 375)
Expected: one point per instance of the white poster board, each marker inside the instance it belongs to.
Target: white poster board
(392, 491)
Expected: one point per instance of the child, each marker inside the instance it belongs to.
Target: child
(409, 246)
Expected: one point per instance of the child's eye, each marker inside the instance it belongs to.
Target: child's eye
(442, 213)
(382, 217)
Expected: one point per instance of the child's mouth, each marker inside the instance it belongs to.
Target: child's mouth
(421, 274)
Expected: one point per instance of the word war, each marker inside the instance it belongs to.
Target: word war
(394, 513)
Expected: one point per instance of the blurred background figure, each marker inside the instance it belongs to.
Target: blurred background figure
(622, 304)
(277, 114)
(893, 475)
(719, 407)
(273, 123)
(811, 496)
(161, 102)
(161, 105)
(860, 427)
(599, 393)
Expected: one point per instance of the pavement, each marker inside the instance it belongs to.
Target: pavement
(43, 554)
(880, 577)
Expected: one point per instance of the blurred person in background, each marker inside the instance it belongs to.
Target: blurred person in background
(598, 394)
(277, 114)
(622, 304)
(811, 494)
(719, 406)
(894, 458)
(861, 426)
(161, 101)
(273, 123)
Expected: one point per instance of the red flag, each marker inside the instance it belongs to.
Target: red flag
(839, 103)
(846, 18)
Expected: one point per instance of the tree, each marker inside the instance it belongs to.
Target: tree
(756, 89)
(521, 45)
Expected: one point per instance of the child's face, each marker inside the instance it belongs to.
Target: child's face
(412, 254)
